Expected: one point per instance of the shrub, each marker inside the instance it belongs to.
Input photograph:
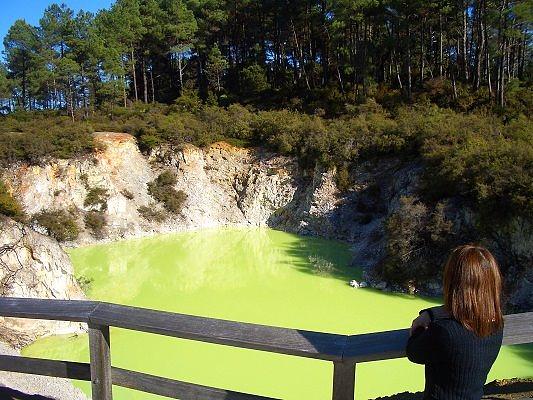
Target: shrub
(127, 194)
(417, 240)
(58, 224)
(342, 179)
(95, 221)
(483, 161)
(150, 213)
(188, 101)
(162, 189)
(96, 198)
(240, 119)
(281, 130)
(84, 283)
(166, 178)
(9, 206)
(42, 135)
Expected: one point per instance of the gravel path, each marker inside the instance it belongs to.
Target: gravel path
(53, 388)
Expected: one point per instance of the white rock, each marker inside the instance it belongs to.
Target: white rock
(35, 266)
(354, 283)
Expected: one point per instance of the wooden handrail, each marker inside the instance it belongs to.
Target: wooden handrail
(343, 350)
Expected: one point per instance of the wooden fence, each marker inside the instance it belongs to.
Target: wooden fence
(343, 350)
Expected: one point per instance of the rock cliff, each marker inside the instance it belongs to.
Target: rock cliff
(225, 185)
(33, 265)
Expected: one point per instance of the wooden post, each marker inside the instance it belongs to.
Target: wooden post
(343, 380)
(101, 384)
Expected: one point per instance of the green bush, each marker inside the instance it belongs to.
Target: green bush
(96, 198)
(150, 213)
(165, 178)
(162, 189)
(484, 161)
(96, 222)
(58, 224)
(9, 206)
(41, 136)
(418, 239)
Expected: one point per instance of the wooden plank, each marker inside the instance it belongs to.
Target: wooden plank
(36, 366)
(518, 328)
(259, 337)
(101, 383)
(376, 346)
(175, 389)
(121, 377)
(358, 348)
(51, 309)
(343, 380)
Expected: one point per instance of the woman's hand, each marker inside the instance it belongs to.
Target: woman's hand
(422, 321)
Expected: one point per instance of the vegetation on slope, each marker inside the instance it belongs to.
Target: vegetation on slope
(162, 189)
(59, 224)
(9, 206)
(477, 157)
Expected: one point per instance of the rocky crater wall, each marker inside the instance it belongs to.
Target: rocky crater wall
(230, 186)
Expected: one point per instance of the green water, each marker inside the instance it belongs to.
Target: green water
(259, 276)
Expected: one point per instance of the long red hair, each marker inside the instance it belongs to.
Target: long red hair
(472, 289)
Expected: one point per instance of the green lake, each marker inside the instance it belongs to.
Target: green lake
(251, 275)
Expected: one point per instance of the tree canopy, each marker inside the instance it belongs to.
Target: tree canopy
(459, 53)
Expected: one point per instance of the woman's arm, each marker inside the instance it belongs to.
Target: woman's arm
(427, 316)
(419, 345)
(424, 344)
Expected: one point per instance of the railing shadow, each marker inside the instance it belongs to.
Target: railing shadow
(11, 394)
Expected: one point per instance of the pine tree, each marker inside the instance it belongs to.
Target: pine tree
(180, 29)
(21, 48)
(215, 68)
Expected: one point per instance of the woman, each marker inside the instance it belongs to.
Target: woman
(458, 342)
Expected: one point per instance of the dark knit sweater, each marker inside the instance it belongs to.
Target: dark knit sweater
(457, 361)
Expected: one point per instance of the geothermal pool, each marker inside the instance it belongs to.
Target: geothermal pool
(250, 275)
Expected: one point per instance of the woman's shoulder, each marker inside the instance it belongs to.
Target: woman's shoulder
(454, 331)
(437, 313)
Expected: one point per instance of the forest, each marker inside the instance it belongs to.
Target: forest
(306, 55)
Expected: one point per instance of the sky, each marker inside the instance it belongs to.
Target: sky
(32, 11)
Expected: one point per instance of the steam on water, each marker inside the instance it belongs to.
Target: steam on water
(259, 276)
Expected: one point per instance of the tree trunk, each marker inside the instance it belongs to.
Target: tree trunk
(152, 83)
(465, 41)
(301, 56)
(440, 45)
(145, 80)
(480, 45)
(409, 75)
(180, 71)
(134, 75)
(422, 54)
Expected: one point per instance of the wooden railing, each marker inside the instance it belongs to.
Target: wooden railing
(344, 351)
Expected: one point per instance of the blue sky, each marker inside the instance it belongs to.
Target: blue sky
(32, 11)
